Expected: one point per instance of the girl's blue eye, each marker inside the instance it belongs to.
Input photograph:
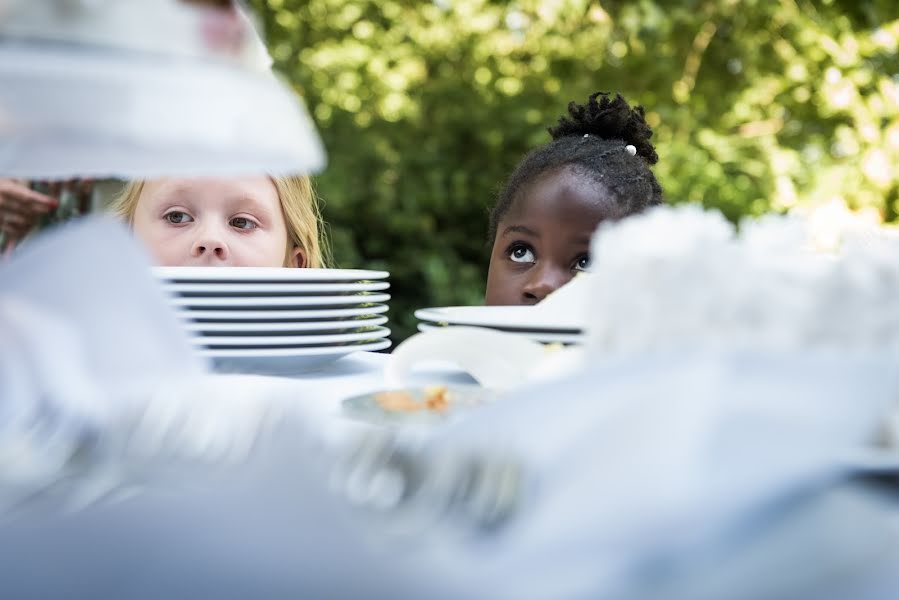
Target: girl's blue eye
(582, 264)
(242, 223)
(176, 217)
(521, 253)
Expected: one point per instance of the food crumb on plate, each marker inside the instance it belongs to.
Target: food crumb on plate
(436, 399)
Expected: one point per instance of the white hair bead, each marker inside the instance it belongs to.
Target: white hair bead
(631, 150)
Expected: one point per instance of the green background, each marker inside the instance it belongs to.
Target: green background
(425, 107)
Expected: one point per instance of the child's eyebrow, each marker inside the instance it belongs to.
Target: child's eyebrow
(521, 229)
(251, 203)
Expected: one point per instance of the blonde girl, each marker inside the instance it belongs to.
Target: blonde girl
(254, 221)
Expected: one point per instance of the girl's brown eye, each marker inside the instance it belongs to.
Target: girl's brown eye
(242, 223)
(176, 217)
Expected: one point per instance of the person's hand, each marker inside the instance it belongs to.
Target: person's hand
(21, 207)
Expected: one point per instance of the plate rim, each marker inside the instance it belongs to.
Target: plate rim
(194, 326)
(267, 302)
(290, 352)
(264, 274)
(423, 314)
(547, 337)
(290, 340)
(285, 288)
(281, 315)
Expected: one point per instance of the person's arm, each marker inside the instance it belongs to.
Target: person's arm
(20, 209)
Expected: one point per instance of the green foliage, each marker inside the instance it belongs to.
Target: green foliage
(425, 107)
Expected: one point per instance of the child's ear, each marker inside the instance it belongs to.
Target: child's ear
(297, 258)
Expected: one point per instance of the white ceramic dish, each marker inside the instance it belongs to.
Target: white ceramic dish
(274, 302)
(285, 327)
(460, 399)
(527, 318)
(281, 316)
(538, 336)
(264, 274)
(273, 289)
(251, 341)
(283, 361)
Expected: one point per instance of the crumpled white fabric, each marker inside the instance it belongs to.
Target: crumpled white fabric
(99, 386)
(730, 383)
(135, 89)
(44, 418)
(680, 472)
(681, 277)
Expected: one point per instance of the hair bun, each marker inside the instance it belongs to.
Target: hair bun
(609, 119)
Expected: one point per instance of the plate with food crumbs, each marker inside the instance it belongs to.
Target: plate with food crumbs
(423, 405)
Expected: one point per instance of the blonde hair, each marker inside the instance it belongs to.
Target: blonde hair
(299, 205)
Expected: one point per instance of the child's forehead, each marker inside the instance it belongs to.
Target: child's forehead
(253, 188)
(562, 192)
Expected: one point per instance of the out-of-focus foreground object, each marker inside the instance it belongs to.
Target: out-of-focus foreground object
(140, 89)
(77, 353)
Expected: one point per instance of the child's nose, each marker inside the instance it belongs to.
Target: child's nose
(545, 280)
(209, 245)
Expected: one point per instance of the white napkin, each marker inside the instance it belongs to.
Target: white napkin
(85, 332)
(643, 468)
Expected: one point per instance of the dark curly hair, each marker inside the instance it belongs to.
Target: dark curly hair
(593, 142)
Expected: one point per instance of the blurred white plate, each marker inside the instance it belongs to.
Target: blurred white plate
(538, 336)
(279, 327)
(504, 317)
(264, 274)
(278, 315)
(250, 341)
(271, 302)
(461, 398)
(273, 289)
(283, 361)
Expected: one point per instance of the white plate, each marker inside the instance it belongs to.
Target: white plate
(461, 399)
(272, 288)
(264, 274)
(251, 341)
(283, 361)
(276, 315)
(268, 302)
(527, 318)
(282, 327)
(538, 336)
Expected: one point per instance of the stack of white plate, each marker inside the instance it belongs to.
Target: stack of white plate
(528, 321)
(263, 320)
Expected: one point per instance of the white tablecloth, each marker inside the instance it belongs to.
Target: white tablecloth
(585, 530)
